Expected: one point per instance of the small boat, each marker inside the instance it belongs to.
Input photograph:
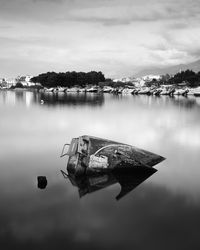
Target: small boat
(195, 91)
(59, 89)
(167, 91)
(152, 91)
(144, 91)
(134, 92)
(117, 91)
(74, 90)
(157, 92)
(107, 89)
(48, 89)
(191, 91)
(164, 92)
(92, 89)
(81, 90)
(180, 91)
(127, 91)
(89, 154)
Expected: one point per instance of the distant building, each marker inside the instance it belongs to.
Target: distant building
(151, 77)
(25, 80)
(124, 79)
(117, 80)
(10, 82)
(3, 83)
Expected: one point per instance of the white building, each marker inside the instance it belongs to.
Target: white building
(151, 77)
(25, 80)
(11, 82)
(124, 79)
(3, 83)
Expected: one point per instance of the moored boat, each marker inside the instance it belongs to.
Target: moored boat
(152, 91)
(107, 89)
(117, 91)
(74, 90)
(144, 91)
(180, 91)
(59, 89)
(92, 89)
(195, 91)
(81, 90)
(127, 91)
(197, 94)
(48, 89)
(167, 91)
(134, 92)
(157, 92)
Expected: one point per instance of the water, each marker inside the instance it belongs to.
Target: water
(161, 213)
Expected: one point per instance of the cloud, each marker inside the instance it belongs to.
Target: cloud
(136, 33)
(104, 21)
(126, 12)
(50, 1)
(5, 26)
(107, 12)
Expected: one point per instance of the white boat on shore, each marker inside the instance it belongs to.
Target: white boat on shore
(74, 90)
(144, 91)
(180, 91)
(81, 90)
(167, 91)
(59, 89)
(127, 91)
(194, 91)
(197, 92)
(92, 89)
(107, 89)
(48, 89)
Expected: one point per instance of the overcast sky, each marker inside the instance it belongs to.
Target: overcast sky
(117, 37)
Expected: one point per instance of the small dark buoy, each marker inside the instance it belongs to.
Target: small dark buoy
(42, 182)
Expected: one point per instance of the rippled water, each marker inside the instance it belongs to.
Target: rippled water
(161, 213)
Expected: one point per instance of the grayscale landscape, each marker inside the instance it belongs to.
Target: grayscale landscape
(99, 124)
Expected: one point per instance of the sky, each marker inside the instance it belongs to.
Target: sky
(117, 37)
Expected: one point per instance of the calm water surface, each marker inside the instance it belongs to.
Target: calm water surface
(161, 213)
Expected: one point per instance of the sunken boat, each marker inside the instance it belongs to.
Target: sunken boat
(89, 155)
(95, 163)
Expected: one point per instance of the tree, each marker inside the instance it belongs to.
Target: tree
(19, 85)
(69, 79)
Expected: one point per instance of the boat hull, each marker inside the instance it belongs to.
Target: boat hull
(89, 155)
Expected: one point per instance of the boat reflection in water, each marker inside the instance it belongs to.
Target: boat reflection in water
(95, 163)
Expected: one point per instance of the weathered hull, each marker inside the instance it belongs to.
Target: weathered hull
(144, 93)
(89, 155)
(96, 163)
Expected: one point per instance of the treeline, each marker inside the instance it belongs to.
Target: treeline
(191, 78)
(69, 79)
